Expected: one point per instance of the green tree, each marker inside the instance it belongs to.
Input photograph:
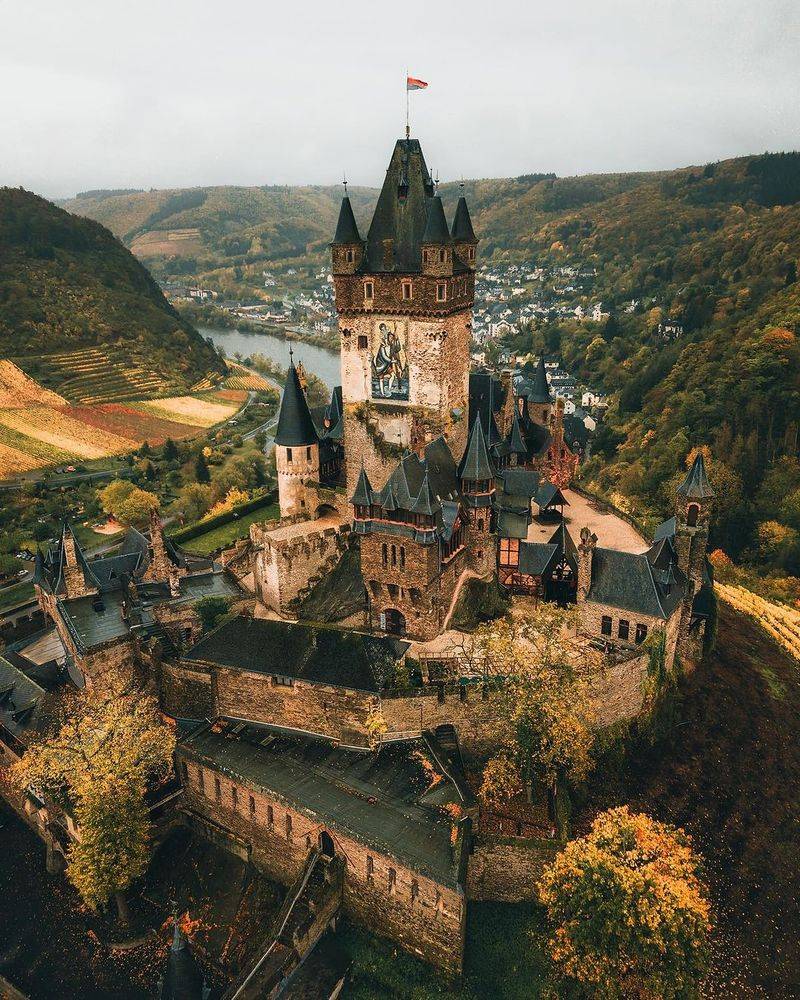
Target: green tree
(114, 494)
(136, 508)
(627, 909)
(212, 610)
(201, 470)
(170, 450)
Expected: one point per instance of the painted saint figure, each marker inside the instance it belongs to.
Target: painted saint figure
(389, 373)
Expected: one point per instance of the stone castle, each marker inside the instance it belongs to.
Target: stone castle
(315, 732)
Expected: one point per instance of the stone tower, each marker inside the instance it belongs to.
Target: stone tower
(296, 448)
(404, 298)
(693, 503)
(540, 399)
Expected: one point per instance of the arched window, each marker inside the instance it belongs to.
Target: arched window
(692, 514)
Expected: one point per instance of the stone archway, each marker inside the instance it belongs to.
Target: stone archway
(394, 622)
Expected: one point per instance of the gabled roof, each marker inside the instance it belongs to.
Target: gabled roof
(520, 482)
(629, 581)
(394, 240)
(540, 390)
(295, 426)
(476, 464)
(462, 223)
(436, 230)
(346, 228)
(696, 485)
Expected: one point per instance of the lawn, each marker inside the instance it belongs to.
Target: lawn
(226, 534)
(505, 960)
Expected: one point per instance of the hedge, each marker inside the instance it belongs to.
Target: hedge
(201, 527)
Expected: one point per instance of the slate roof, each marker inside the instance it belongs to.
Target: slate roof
(512, 524)
(346, 228)
(665, 530)
(379, 798)
(295, 426)
(696, 485)
(436, 229)
(316, 654)
(536, 558)
(540, 390)
(476, 464)
(399, 217)
(24, 704)
(462, 223)
(520, 482)
(629, 581)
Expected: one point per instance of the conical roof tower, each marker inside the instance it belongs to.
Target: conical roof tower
(295, 426)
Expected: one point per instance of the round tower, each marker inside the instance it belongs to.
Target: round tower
(296, 448)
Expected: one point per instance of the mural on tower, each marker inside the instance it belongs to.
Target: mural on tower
(389, 360)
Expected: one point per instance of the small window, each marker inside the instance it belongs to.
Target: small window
(288, 826)
(394, 555)
(289, 455)
(641, 632)
(471, 253)
(392, 881)
(692, 515)
(408, 290)
(252, 805)
(385, 554)
(370, 868)
(184, 770)
(217, 789)
(509, 552)
(350, 256)
(369, 290)
(480, 524)
(270, 817)
(235, 796)
(402, 557)
(308, 454)
(605, 625)
(414, 889)
(201, 780)
(623, 630)
(441, 292)
(442, 256)
(363, 343)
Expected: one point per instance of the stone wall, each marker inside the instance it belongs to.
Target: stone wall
(592, 624)
(185, 690)
(508, 872)
(335, 712)
(286, 563)
(425, 917)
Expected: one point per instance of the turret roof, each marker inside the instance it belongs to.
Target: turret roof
(346, 228)
(295, 426)
(696, 485)
(540, 393)
(462, 223)
(476, 463)
(363, 491)
(436, 230)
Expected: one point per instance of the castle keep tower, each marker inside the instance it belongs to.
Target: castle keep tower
(693, 504)
(404, 298)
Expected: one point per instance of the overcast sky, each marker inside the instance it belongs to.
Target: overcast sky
(104, 94)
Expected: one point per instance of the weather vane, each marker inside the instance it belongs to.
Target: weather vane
(344, 181)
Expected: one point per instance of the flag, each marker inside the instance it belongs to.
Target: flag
(412, 84)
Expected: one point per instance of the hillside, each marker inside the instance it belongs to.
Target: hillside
(66, 285)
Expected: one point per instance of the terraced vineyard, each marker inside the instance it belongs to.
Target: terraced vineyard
(93, 375)
(241, 377)
(780, 621)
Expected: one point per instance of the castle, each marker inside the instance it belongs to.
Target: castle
(315, 734)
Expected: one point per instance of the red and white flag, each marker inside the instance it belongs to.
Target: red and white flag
(412, 84)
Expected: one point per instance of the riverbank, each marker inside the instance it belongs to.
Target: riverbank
(213, 316)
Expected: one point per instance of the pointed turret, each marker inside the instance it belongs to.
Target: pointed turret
(516, 439)
(425, 503)
(540, 393)
(346, 228)
(463, 234)
(696, 485)
(363, 492)
(295, 426)
(436, 230)
(476, 465)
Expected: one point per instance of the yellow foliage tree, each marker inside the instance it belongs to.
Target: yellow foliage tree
(232, 499)
(628, 911)
(114, 494)
(136, 507)
(97, 763)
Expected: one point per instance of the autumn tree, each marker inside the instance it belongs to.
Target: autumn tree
(106, 748)
(114, 494)
(136, 507)
(201, 471)
(627, 908)
(545, 722)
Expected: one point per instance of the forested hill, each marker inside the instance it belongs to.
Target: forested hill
(67, 283)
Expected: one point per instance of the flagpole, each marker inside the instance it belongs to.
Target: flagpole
(408, 126)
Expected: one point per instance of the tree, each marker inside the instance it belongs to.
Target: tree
(201, 469)
(212, 610)
(194, 501)
(545, 720)
(136, 507)
(628, 911)
(114, 494)
(106, 748)
(170, 450)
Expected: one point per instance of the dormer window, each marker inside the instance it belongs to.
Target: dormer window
(350, 256)
(369, 291)
(408, 290)
(441, 291)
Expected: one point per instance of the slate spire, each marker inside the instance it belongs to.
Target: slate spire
(516, 438)
(436, 230)
(476, 464)
(295, 426)
(424, 503)
(346, 228)
(696, 485)
(541, 390)
(462, 223)
(363, 493)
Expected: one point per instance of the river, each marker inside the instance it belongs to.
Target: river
(320, 360)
